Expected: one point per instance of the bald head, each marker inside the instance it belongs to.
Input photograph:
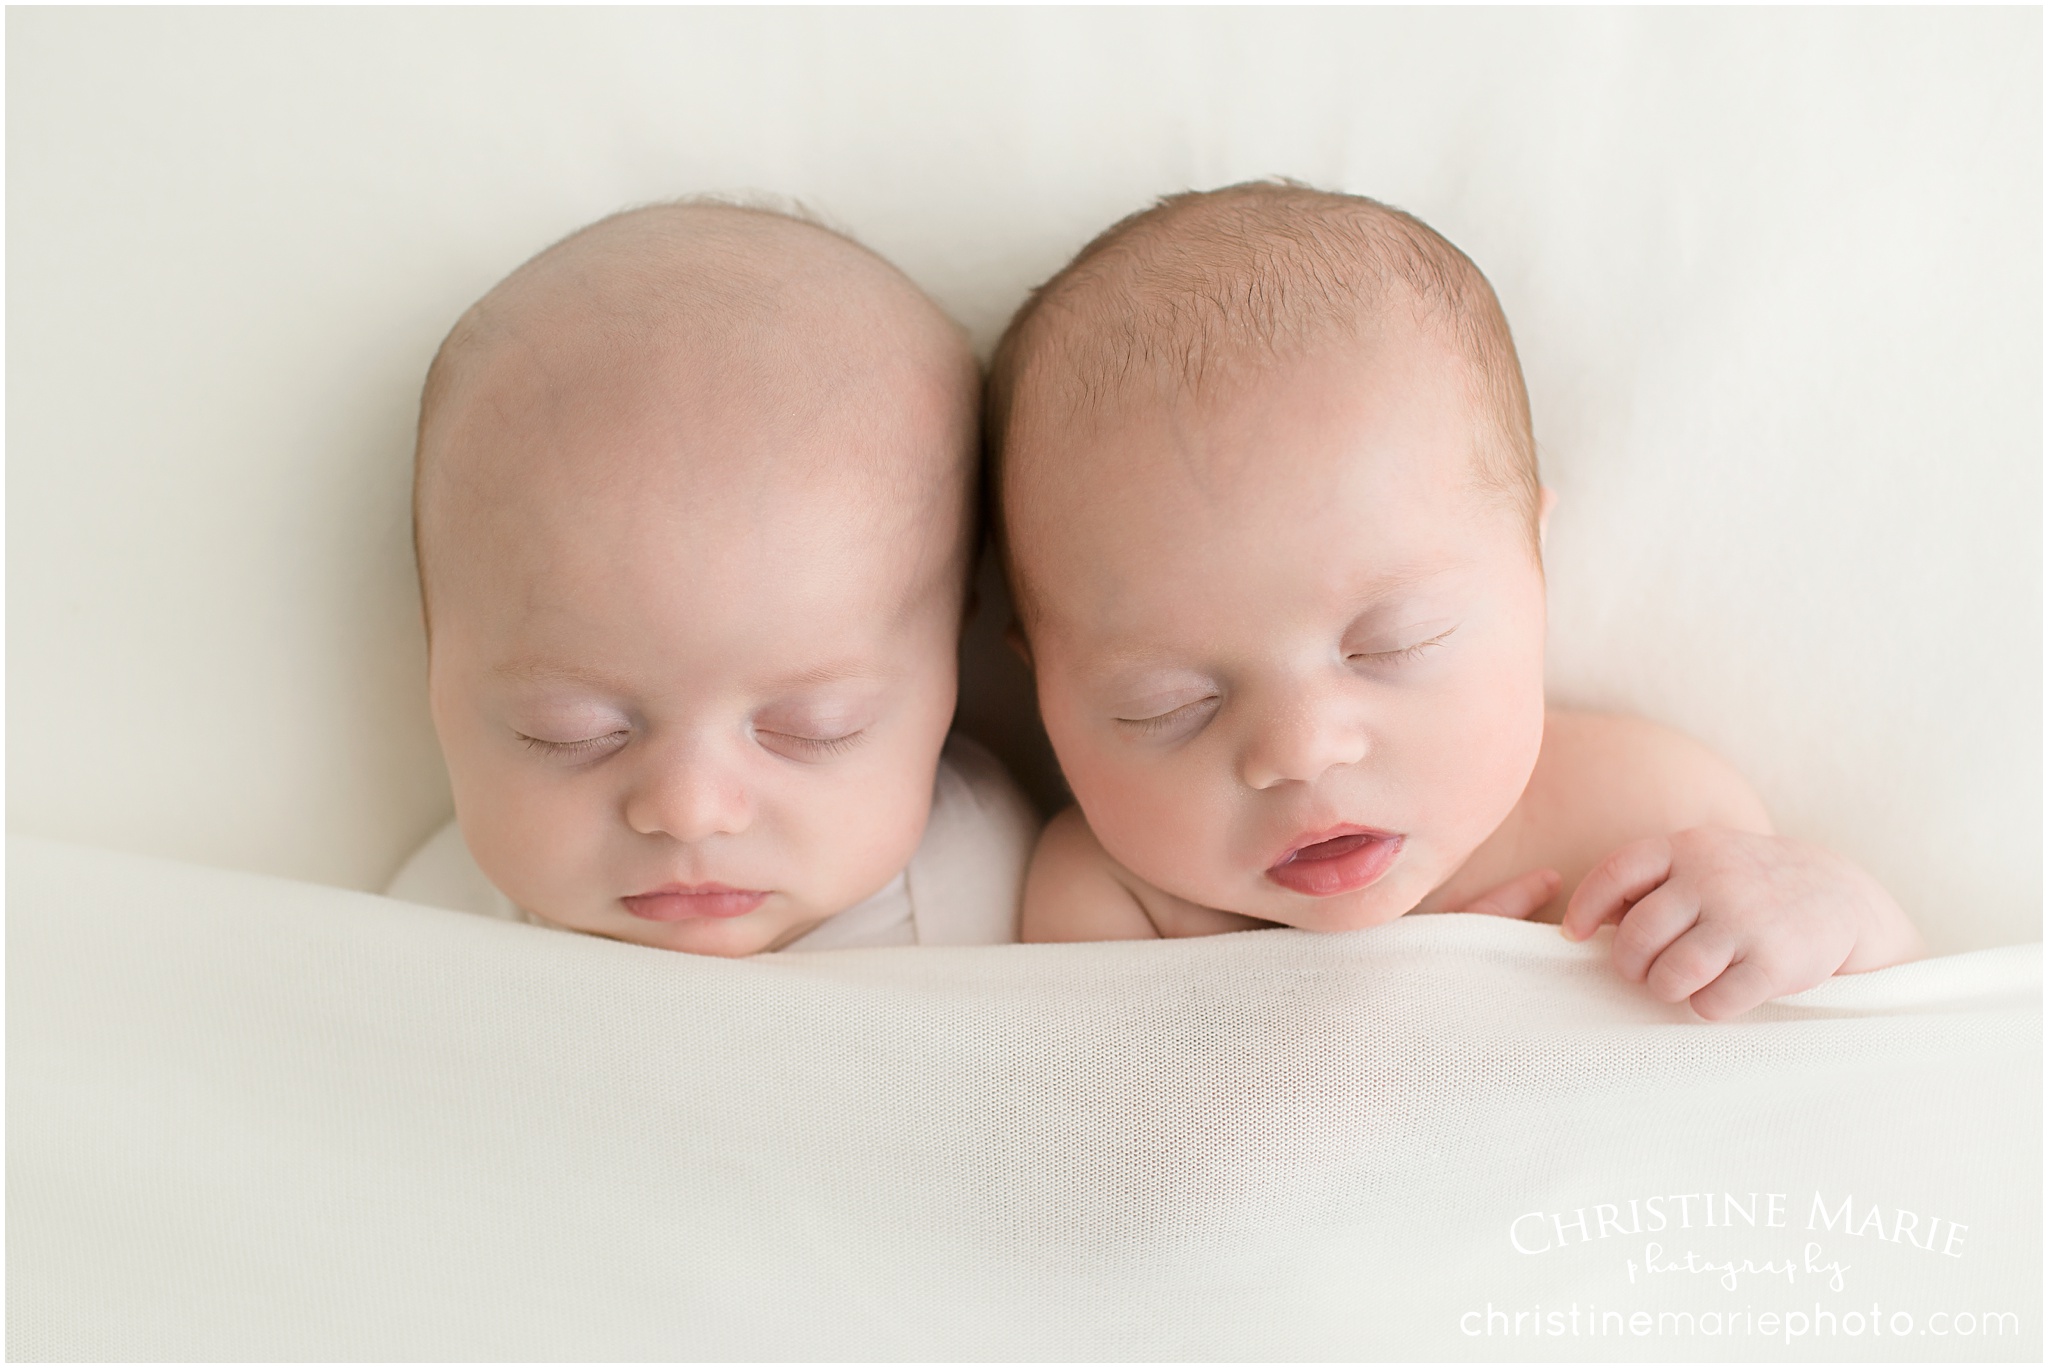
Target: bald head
(698, 356)
(1183, 300)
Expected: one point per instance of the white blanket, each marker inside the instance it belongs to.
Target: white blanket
(255, 1118)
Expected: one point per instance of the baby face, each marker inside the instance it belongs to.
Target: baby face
(1289, 655)
(690, 667)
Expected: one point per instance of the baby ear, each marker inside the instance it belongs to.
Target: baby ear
(1546, 499)
(1014, 635)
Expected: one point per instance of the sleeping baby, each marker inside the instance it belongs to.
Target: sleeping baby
(694, 506)
(1269, 507)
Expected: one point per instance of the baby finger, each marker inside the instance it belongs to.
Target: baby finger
(1744, 985)
(1689, 964)
(1650, 926)
(1605, 894)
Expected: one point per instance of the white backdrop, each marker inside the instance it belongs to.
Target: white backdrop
(1775, 278)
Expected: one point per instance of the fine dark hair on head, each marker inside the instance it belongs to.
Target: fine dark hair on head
(1205, 283)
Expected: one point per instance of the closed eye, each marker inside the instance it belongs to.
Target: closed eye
(587, 746)
(1405, 653)
(815, 747)
(1185, 717)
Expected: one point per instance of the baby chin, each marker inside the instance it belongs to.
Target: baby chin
(725, 924)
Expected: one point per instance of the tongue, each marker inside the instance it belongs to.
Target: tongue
(1330, 849)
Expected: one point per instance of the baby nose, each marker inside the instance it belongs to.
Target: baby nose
(1300, 740)
(688, 792)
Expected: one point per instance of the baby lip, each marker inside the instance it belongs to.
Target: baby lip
(680, 901)
(1328, 845)
(1339, 860)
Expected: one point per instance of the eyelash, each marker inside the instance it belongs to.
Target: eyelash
(584, 747)
(1406, 652)
(822, 745)
(1151, 725)
(835, 745)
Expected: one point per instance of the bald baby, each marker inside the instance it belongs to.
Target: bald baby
(723, 333)
(694, 505)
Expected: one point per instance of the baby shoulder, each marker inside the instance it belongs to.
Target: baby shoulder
(1640, 774)
(442, 873)
(1072, 892)
(967, 877)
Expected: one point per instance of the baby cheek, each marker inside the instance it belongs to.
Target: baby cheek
(538, 844)
(1156, 816)
(1495, 722)
(1155, 812)
(846, 833)
(502, 825)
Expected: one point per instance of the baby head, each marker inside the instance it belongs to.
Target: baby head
(1269, 507)
(693, 506)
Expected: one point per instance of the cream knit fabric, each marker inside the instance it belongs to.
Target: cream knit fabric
(251, 1118)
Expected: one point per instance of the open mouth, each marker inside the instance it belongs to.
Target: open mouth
(680, 902)
(1343, 860)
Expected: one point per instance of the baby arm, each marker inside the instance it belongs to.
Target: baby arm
(1732, 918)
(1673, 844)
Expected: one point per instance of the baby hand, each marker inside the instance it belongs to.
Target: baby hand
(1731, 919)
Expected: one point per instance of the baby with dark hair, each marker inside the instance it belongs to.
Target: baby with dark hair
(1270, 510)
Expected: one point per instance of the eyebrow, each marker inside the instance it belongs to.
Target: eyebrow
(532, 671)
(537, 671)
(1394, 581)
(833, 672)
